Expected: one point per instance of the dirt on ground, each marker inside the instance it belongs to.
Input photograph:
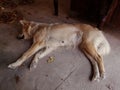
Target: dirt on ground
(8, 13)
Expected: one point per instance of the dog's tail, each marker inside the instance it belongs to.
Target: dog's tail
(102, 45)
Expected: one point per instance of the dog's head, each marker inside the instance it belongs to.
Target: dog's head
(27, 29)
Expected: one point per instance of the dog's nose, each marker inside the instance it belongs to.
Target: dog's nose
(20, 36)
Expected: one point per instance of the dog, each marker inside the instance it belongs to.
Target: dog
(48, 37)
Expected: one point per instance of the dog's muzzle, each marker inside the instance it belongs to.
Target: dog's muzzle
(20, 36)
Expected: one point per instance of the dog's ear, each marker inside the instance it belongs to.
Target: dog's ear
(23, 22)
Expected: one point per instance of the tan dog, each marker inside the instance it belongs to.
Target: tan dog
(51, 36)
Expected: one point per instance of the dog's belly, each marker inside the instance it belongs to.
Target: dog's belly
(62, 38)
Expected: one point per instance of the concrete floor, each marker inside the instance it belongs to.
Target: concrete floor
(70, 71)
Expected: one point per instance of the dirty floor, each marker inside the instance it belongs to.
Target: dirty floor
(70, 70)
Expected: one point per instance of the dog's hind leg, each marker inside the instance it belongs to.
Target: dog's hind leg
(38, 56)
(96, 75)
(91, 51)
(34, 48)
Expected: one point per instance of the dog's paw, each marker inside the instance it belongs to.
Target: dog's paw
(12, 66)
(102, 76)
(33, 65)
(96, 78)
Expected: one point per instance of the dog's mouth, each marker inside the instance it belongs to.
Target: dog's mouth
(20, 36)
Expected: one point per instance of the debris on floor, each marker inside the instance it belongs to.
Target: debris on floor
(109, 87)
(10, 16)
(1, 8)
(24, 2)
(15, 3)
(8, 3)
(51, 59)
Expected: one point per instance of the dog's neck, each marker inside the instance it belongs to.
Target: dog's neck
(37, 27)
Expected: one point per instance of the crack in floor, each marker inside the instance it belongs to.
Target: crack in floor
(65, 79)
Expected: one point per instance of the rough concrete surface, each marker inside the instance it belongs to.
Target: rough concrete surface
(71, 70)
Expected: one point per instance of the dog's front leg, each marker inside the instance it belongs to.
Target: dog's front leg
(38, 56)
(34, 48)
